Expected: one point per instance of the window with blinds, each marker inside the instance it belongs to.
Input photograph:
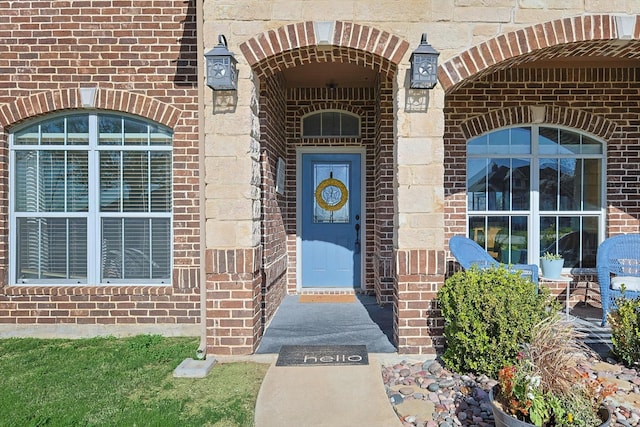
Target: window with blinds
(90, 201)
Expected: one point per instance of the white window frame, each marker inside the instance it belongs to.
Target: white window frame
(341, 135)
(533, 214)
(93, 215)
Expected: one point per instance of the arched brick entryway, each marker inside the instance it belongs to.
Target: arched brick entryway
(289, 46)
(587, 35)
(271, 54)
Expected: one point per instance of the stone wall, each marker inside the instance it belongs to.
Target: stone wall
(275, 35)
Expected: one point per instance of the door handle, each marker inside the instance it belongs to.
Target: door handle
(357, 243)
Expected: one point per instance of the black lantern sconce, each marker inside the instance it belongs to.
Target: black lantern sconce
(424, 65)
(221, 67)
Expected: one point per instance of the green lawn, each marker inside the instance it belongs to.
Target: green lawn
(120, 382)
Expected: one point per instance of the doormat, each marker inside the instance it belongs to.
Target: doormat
(339, 298)
(322, 355)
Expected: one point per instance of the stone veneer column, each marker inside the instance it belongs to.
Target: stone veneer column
(419, 238)
(232, 212)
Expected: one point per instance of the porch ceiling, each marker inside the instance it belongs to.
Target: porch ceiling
(329, 74)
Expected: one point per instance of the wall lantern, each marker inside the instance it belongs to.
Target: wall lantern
(424, 65)
(221, 67)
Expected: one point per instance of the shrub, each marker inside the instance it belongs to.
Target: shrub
(545, 387)
(625, 330)
(488, 313)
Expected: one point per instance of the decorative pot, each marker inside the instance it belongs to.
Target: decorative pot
(502, 419)
(551, 268)
(515, 256)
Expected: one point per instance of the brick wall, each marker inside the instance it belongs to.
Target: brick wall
(419, 327)
(141, 58)
(234, 300)
(108, 305)
(382, 205)
(274, 205)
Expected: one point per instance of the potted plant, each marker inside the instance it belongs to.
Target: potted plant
(551, 265)
(545, 387)
(516, 253)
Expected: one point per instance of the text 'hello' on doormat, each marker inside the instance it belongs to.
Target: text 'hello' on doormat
(322, 355)
(330, 298)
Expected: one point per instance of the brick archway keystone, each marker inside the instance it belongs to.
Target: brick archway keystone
(105, 99)
(570, 117)
(263, 51)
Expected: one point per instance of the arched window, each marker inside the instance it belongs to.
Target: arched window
(536, 189)
(90, 201)
(330, 123)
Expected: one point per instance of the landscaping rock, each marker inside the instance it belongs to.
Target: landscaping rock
(463, 400)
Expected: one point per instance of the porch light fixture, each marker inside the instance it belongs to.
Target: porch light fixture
(424, 65)
(221, 67)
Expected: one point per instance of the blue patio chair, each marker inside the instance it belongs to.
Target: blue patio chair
(468, 253)
(618, 263)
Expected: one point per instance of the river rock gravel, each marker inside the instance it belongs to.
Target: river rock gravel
(425, 394)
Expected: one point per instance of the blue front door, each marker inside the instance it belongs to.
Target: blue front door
(331, 220)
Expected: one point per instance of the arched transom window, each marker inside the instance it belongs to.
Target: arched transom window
(536, 189)
(90, 201)
(330, 123)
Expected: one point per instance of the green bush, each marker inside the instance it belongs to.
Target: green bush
(625, 330)
(488, 314)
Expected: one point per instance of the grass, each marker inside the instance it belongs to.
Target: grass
(120, 382)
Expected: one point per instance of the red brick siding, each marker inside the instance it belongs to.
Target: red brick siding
(381, 207)
(419, 327)
(112, 305)
(234, 301)
(274, 205)
(141, 58)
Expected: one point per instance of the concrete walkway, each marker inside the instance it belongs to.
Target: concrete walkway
(347, 396)
(331, 396)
